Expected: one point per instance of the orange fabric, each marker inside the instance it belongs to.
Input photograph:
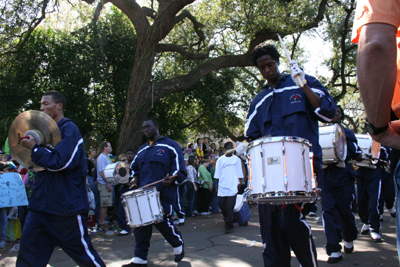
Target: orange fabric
(380, 11)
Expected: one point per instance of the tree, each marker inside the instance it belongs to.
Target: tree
(343, 82)
(91, 67)
(248, 23)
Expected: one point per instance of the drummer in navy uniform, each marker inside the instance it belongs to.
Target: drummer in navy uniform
(337, 195)
(369, 183)
(159, 158)
(284, 108)
(59, 203)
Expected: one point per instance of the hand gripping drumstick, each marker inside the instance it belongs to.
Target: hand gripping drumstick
(297, 78)
(156, 182)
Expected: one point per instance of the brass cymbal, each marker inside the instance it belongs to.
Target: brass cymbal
(39, 122)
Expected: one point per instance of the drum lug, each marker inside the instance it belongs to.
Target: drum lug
(284, 164)
(263, 184)
(304, 169)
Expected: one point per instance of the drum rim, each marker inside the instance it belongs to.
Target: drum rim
(150, 188)
(275, 139)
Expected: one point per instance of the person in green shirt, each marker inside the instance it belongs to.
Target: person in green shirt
(205, 192)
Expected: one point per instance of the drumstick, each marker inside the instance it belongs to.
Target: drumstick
(298, 80)
(149, 184)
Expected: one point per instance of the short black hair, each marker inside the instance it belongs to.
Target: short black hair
(57, 97)
(130, 150)
(155, 122)
(228, 145)
(262, 50)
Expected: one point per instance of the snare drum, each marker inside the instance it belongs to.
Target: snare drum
(333, 143)
(280, 170)
(142, 207)
(370, 148)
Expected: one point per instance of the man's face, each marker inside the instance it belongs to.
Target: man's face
(268, 68)
(108, 148)
(129, 156)
(338, 115)
(51, 108)
(149, 130)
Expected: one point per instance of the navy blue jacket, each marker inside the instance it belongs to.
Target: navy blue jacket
(153, 163)
(61, 188)
(336, 176)
(286, 111)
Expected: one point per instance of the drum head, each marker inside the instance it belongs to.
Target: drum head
(121, 172)
(340, 142)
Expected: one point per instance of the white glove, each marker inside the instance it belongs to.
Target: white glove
(298, 75)
(241, 149)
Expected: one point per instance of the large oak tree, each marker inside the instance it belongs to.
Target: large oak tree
(245, 22)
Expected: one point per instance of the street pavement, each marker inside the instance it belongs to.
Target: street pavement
(206, 244)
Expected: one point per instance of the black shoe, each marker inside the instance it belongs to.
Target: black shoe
(244, 224)
(348, 250)
(335, 257)
(131, 264)
(179, 257)
(228, 230)
(393, 215)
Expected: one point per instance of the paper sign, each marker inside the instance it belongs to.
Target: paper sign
(12, 190)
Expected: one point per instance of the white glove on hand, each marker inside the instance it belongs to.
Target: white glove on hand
(298, 75)
(241, 150)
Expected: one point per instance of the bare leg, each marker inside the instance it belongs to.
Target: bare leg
(103, 214)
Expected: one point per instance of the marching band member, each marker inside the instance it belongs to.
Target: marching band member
(123, 224)
(58, 204)
(369, 183)
(159, 158)
(337, 195)
(284, 108)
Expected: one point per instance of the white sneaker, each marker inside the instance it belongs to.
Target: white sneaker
(376, 237)
(181, 222)
(335, 257)
(365, 229)
(205, 213)
(392, 212)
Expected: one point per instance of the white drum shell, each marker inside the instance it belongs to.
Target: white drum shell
(271, 178)
(109, 173)
(333, 142)
(142, 207)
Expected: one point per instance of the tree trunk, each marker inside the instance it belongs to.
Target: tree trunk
(138, 100)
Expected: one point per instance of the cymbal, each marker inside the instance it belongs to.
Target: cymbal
(36, 121)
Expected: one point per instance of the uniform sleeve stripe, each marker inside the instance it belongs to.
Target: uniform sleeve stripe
(318, 91)
(246, 127)
(320, 115)
(72, 157)
(134, 159)
(176, 157)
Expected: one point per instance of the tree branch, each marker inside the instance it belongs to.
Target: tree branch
(182, 51)
(97, 12)
(197, 25)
